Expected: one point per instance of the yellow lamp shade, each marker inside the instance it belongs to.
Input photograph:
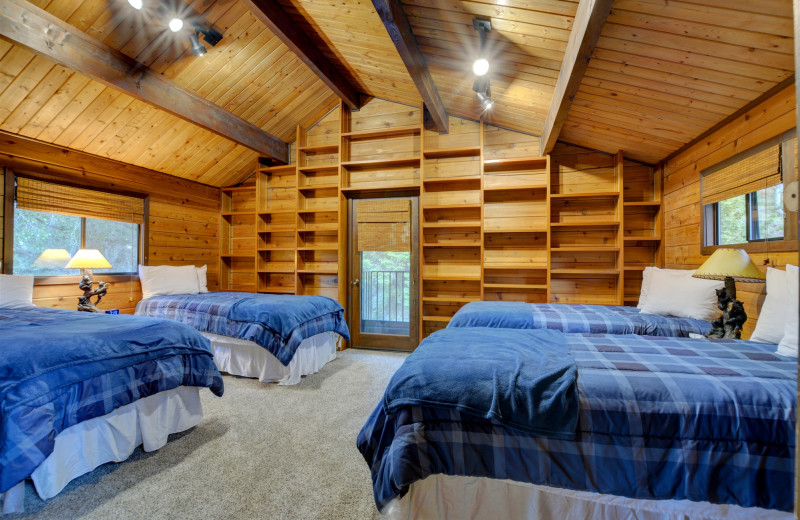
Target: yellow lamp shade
(733, 263)
(53, 258)
(88, 259)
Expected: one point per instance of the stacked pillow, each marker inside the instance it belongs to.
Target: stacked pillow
(777, 321)
(162, 280)
(674, 292)
(16, 292)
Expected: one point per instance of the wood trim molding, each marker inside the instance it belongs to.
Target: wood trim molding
(24, 24)
(586, 29)
(399, 28)
(272, 15)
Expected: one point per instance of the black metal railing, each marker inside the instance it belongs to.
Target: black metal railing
(384, 296)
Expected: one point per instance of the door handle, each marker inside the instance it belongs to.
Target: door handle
(355, 282)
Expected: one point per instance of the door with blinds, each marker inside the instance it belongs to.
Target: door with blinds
(383, 273)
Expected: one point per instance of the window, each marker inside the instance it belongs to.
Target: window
(742, 197)
(52, 216)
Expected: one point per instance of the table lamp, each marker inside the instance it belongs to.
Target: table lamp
(52, 259)
(730, 265)
(86, 260)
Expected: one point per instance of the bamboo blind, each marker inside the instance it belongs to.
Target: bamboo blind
(752, 173)
(38, 195)
(384, 225)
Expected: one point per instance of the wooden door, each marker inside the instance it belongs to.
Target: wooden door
(383, 273)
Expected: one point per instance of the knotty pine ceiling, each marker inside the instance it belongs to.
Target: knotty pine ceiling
(663, 72)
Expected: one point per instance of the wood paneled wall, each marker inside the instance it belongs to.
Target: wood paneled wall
(682, 191)
(183, 216)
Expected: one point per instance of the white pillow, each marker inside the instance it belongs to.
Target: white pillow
(647, 274)
(202, 280)
(772, 318)
(788, 345)
(679, 294)
(159, 280)
(16, 291)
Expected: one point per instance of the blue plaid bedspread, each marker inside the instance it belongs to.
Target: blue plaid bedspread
(595, 319)
(59, 368)
(660, 418)
(253, 317)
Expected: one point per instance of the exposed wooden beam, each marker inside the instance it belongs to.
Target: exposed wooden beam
(271, 14)
(25, 24)
(399, 29)
(586, 28)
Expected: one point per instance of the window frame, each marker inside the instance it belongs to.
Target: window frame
(709, 215)
(8, 229)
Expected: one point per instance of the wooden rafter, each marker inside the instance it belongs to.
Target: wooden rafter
(586, 28)
(272, 15)
(399, 29)
(25, 24)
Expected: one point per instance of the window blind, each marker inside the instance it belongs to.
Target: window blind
(39, 195)
(384, 225)
(756, 171)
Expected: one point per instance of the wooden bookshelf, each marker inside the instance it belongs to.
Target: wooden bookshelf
(237, 254)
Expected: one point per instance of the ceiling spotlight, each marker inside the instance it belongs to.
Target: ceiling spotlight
(136, 4)
(197, 48)
(486, 101)
(175, 25)
(480, 67)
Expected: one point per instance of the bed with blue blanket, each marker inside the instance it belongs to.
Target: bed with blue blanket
(60, 369)
(276, 338)
(596, 319)
(487, 422)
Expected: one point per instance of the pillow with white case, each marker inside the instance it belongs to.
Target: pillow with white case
(772, 318)
(646, 276)
(681, 295)
(16, 291)
(202, 280)
(788, 344)
(160, 280)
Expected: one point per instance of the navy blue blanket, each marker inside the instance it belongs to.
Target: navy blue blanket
(59, 368)
(279, 323)
(599, 319)
(525, 379)
(271, 310)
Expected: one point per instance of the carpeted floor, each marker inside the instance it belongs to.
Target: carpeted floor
(262, 451)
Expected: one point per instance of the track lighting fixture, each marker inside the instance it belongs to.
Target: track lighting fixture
(175, 25)
(481, 65)
(486, 101)
(136, 4)
(197, 48)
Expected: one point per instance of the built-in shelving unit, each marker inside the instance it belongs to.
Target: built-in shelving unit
(496, 221)
(237, 239)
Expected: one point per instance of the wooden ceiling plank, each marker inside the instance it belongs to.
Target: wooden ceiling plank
(59, 99)
(528, 15)
(713, 81)
(87, 115)
(735, 70)
(706, 31)
(636, 77)
(589, 21)
(36, 29)
(27, 79)
(399, 29)
(272, 15)
(12, 64)
(26, 110)
(112, 134)
(71, 110)
(100, 123)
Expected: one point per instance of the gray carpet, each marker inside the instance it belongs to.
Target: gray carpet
(262, 451)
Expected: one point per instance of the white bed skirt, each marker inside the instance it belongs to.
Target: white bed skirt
(447, 496)
(111, 438)
(240, 357)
